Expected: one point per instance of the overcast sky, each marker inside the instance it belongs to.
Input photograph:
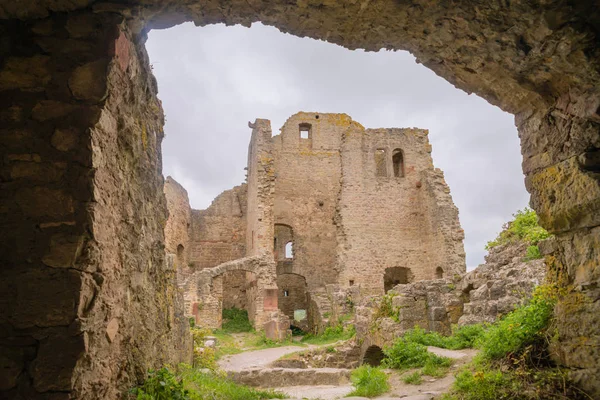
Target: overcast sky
(213, 80)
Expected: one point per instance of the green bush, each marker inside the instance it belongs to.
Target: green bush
(524, 228)
(404, 354)
(236, 320)
(521, 327)
(368, 382)
(161, 384)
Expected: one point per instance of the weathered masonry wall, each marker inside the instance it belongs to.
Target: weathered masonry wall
(177, 227)
(85, 283)
(391, 215)
(307, 185)
(261, 184)
(537, 60)
(218, 234)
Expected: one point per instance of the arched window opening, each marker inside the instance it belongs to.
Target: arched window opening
(289, 253)
(395, 276)
(180, 258)
(373, 356)
(439, 273)
(380, 163)
(305, 131)
(398, 161)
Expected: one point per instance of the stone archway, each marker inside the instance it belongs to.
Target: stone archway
(80, 116)
(373, 356)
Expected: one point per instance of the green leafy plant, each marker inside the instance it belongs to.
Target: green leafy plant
(368, 381)
(521, 327)
(524, 227)
(533, 253)
(161, 384)
(386, 308)
(514, 362)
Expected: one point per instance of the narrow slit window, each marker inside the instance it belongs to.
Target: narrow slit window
(380, 163)
(286, 293)
(398, 161)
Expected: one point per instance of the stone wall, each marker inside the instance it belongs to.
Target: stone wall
(218, 234)
(88, 299)
(292, 293)
(307, 185)
(177, 227)
(387, 221)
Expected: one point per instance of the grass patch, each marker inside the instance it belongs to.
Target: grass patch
(331, 334)
(188, 383)
(368, 382)
(413, 379)
(462, 337)
(236, 320)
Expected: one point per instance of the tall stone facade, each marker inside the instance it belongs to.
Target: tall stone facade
(65, 268)
(330, 202)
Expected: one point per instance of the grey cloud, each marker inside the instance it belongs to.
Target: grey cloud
(213, 80)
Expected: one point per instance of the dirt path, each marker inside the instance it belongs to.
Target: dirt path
(257, 358)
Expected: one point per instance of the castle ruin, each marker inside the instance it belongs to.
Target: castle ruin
(326, 202)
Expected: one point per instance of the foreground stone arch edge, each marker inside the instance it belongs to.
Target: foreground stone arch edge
(66, 152)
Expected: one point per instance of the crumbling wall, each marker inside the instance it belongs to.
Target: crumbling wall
(177, 226)
(88, 298)
(483, 295)
(218, 234)
(261, 186)
(392, 216)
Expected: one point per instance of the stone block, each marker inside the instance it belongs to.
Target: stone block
(44, 202)
(64, 250)
(53, 367)
(65, 139)
(25, 73)
(88, 82)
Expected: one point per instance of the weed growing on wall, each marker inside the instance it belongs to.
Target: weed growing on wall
(368, 382)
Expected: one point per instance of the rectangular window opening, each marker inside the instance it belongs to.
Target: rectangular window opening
(305, 131)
